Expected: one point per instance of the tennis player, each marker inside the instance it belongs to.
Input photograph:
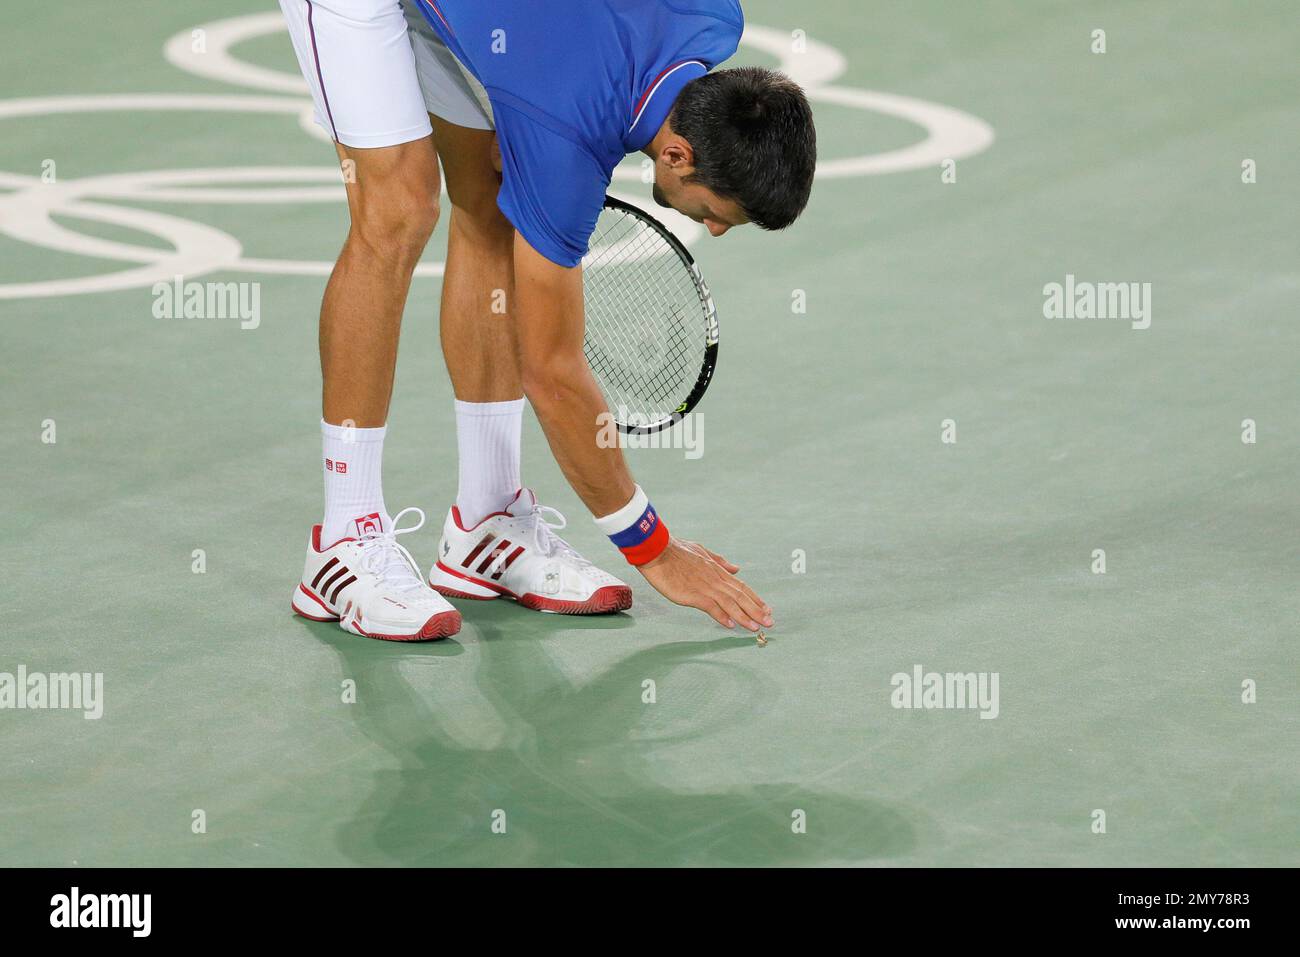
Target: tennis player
(529, 105)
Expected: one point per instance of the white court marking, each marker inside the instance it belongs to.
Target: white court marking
(27, 210)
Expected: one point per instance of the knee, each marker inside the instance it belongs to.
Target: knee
(475, 213)
(397, 220)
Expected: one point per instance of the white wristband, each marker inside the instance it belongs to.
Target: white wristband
(616, 522)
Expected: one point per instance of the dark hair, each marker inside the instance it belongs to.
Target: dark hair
(752, 134)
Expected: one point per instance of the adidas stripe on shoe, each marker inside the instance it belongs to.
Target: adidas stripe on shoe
(372, 587)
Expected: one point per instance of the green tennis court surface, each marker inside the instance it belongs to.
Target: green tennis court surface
(899, 301)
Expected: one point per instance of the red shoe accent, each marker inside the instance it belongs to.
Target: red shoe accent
(332, 617)
(500, 590)
(455, 516)
(442, 625)
(308, 617)
(452, 593)
(605, 600)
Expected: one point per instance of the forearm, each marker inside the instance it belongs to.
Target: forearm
(573, 413)
(547, 310)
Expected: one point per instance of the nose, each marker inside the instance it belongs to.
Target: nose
(716, 228)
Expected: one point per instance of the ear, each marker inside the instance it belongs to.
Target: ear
(677, 155)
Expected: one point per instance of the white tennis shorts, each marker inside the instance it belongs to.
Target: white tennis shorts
(376, 70)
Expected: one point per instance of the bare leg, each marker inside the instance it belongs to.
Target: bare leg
(394, 207)
(477, 339)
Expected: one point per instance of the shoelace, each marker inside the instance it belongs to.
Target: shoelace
(382, 555)
(544, 537)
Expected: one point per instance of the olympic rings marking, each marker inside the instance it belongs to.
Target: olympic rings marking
(26, 213)
(950, 134)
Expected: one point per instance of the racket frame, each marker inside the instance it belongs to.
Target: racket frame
(710, 320)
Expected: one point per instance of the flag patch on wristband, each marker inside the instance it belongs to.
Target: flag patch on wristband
(644, 539)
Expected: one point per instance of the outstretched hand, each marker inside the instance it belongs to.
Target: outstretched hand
(689, 574)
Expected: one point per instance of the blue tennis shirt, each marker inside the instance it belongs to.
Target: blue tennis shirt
(575, 85)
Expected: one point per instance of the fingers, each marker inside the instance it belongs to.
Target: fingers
(760, 609)
(755, 611)
(738, 602)
(738, 615)
(725, 610)
(739, 606)
(715, 611)
(736, 606)
(728, 611)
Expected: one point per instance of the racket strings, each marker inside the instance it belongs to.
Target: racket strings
(646, 333)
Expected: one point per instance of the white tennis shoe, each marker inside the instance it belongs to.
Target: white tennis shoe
(372, 587)
(516, 554)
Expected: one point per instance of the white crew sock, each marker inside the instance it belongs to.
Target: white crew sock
(487, 436)
(354, 491)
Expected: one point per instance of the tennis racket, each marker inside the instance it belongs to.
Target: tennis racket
(652, 329)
